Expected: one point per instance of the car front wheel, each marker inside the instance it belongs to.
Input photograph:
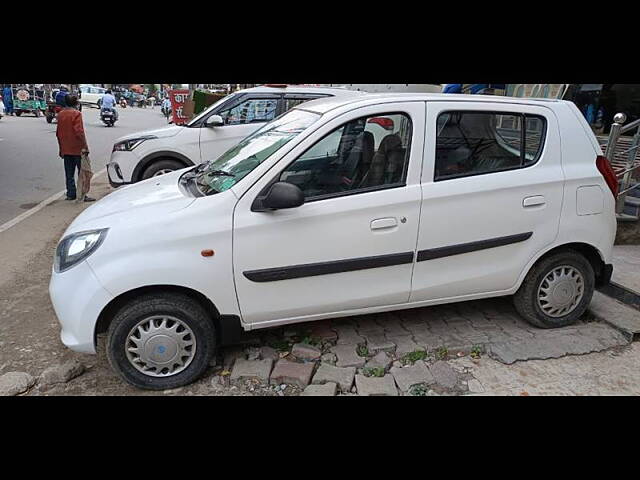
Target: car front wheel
(557, 291)
(161, 167)
(161, 341)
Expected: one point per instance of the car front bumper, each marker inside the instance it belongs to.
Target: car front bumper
(78, 298)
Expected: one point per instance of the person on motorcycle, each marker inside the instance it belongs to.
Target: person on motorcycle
(61, 95)
(166, 107)
(109, 103)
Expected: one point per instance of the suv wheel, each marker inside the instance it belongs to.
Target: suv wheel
(557, 290)
(161, 167)
(161, 341)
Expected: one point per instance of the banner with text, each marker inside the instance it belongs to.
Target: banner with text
(177, 99)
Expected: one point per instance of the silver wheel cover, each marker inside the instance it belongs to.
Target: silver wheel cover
(560, 291)
(162, 172)
(160, 346)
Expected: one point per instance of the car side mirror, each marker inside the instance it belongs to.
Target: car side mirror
(281, 195)
(214, 121)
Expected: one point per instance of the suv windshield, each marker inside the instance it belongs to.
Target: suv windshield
(223, 173)
(207, 110)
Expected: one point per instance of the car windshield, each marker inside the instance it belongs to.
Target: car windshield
(208, 110)
(223, 173)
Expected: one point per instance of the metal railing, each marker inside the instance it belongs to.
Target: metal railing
(626, 176)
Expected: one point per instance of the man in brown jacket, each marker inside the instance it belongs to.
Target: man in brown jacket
(72, 143)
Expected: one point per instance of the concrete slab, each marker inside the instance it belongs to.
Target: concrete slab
(616, 314)
(626, 267)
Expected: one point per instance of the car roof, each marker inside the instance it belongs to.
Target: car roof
(336, 91)
(324, 105)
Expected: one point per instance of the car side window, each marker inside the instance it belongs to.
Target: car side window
(477, 143)
(365, 154)
(251, 111)
(290, 102)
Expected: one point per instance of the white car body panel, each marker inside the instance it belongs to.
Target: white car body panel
(157, 232)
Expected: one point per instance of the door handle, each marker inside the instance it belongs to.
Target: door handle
(383, 223)
(536, 201)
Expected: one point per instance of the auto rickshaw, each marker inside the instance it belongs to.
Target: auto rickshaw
(28, 100)
(53, 108)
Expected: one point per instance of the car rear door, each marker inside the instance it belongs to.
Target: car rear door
(485, 212)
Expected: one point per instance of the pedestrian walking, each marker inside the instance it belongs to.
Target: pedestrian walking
(7, 98)
(72, 143)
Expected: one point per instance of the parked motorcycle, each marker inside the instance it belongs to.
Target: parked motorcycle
(108, 116)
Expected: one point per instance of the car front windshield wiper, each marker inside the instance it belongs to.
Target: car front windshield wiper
(219, 173)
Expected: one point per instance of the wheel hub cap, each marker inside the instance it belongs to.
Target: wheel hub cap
(160, 346)
(162, 172)
(561, 291)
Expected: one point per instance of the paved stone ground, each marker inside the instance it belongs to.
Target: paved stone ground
(446, 350)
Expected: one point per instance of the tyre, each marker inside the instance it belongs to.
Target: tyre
(49, 119)
(160, 167)
(37, 112)
(161, 341)
(557, 290)
(18, 113)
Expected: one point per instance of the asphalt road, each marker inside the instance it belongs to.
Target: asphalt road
(30, 169)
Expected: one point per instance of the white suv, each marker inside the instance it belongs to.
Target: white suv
(143, 155)
(312, 217)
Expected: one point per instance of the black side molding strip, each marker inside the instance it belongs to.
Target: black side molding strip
(441, 252)
(326, 268)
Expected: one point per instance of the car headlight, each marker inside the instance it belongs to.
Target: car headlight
(128, 145)
(74, 248)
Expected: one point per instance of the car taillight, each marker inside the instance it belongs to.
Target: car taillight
(604, 167)
(384, 122)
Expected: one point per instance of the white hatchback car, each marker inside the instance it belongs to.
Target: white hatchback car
(311, 217)
(146, 154)
(91, 95)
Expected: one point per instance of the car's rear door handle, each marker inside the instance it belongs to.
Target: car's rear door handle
(536, 201)
(384, 223)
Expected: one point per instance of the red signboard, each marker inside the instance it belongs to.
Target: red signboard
(177, 99)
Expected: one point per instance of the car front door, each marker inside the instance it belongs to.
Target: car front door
(351, 245)
(241, 117)
(492, 196)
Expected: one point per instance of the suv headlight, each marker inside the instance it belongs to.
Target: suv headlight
(128, 145)
(76, 247)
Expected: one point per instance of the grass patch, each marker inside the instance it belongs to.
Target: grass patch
(419, 390)
(280, 345)
(373, 372)
(362, 351)
(477, 351)
(442, 353)
(413, 357)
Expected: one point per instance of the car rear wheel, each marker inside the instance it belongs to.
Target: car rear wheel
(160, 167)
(557, 291)
(161, 341)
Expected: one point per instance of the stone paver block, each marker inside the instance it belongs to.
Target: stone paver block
(369, 326)
(404, 345)
(269, 353)
(252, 369)
(429, 341)
(292, 373)
(377, 342)
(376, 387)
(330, 358)
(444, 375)
(475, 386)
(304, 351)
(347, 335)
(381, 360)
(323, 331)
(415, 374)
(15, 383)
(348, 356)
(330, 374)
(325, 390)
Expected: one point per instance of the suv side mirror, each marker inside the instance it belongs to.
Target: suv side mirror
(281, 195)
(214, 121)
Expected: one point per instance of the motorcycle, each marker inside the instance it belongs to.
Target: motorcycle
(166, 111)
(123, 103)
(108, 116)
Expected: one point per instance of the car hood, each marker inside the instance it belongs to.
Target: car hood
(138, 203)
(164, 132)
